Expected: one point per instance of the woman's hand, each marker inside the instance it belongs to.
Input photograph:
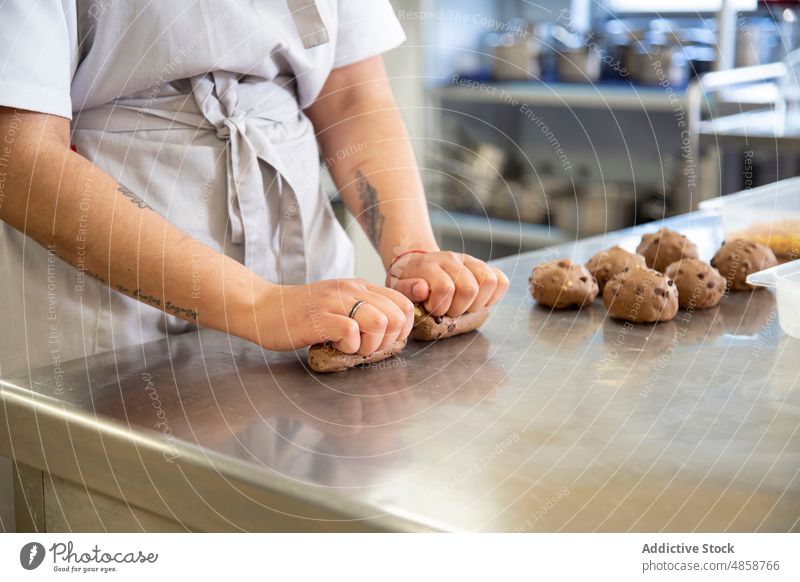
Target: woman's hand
(448, 283)
(294, 316)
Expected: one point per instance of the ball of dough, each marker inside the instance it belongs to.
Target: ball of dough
(661, 249)
(700, 286)
(738, 258)
(560, 284)
(606, 265)
(641, 295)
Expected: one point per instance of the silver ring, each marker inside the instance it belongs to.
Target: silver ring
(356, 306)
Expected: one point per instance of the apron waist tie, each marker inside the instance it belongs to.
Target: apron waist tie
(247, 133)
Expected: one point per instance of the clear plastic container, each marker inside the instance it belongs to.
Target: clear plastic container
(768, 214)
(786, 280)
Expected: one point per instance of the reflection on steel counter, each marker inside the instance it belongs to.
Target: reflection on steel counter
(244, 408)
(541, 421)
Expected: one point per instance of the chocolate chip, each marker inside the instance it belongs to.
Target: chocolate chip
(584, 279)
(701, 276)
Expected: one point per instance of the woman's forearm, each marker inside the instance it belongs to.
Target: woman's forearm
(67, 204)
(365, 142)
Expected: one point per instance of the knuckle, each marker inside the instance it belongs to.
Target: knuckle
(470, 288)
(490, 277)
(381, 321)
(444, 287)
(352, 285)
(454, 257)
(396, 321)
(396, 295)
(351, 328)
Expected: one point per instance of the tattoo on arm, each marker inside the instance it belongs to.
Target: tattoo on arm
(168, 306)
(372, 217)
(133, 197)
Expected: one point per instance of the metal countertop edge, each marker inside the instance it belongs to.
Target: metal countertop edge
(12, 395)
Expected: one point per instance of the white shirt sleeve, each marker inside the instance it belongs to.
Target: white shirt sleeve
(366, 28)
(35, 48)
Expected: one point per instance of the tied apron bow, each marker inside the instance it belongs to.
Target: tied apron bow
(246, 131)
(260, 122)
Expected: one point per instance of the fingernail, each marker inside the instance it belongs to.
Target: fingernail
(418, 289)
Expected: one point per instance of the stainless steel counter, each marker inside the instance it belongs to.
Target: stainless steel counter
(543, 421)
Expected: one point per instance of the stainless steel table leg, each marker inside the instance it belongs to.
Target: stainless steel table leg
(44, 502)
(28, 498)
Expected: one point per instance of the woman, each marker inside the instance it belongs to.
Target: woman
(186, 189)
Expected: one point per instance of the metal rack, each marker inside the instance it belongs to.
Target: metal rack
(598, 96)
(761, 128)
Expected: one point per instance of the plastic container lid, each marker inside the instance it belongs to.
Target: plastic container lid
(769, 214)
(785, 279)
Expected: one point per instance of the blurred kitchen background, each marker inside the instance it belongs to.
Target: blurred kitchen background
(539, 122)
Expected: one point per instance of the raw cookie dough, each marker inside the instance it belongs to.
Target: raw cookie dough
(429, 327)
(700, 286)
(661, 249)
(605, 265)
(738, 258)
(641, 295)
(561, 283)
(325, 358)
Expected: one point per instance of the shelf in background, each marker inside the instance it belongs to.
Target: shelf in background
(599, 96)
(763, 129)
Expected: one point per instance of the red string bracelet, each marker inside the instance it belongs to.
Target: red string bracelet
(403, 254)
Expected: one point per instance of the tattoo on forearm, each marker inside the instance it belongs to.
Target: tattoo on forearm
(133, 197)
(371, 215)
(168, 306)
(92, 275)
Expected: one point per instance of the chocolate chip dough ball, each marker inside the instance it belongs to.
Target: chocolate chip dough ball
(700, 286)
(641, 295)
(738, 258)
(661, 249)
(605, 265)
(562, 283)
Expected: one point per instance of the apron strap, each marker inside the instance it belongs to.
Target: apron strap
(308, 22)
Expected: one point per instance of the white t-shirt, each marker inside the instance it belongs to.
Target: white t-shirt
(62, 56)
